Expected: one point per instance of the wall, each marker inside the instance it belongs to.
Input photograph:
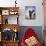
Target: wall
(39, 14)
(22, 3)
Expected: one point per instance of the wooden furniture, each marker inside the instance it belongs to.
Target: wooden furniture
(10, 43)
(5, 13)
(45, 37)
(11, 26)
(44, 9)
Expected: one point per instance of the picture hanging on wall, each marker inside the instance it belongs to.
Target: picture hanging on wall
(30, 12)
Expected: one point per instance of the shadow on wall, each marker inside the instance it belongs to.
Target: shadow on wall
(37, 29)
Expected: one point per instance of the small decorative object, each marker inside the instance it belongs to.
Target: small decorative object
(15, 30)
(30, 12)
(6, 21)
(15, 3)
(5, 12)
(15, 35)
(13, 12)
(7, 34)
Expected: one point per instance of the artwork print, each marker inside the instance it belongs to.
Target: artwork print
(30, 12)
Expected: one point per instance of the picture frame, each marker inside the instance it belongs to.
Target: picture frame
(30, 12)
(5, 12)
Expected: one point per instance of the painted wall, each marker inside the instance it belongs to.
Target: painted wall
(39, 13)
(22, 3)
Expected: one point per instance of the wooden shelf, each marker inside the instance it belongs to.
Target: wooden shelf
(4, 24)
(5, 12)
(9, 43)
(5, 8)
(10, 26)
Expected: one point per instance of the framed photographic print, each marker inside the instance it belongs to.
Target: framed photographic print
(30, 12)
(5, 12)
